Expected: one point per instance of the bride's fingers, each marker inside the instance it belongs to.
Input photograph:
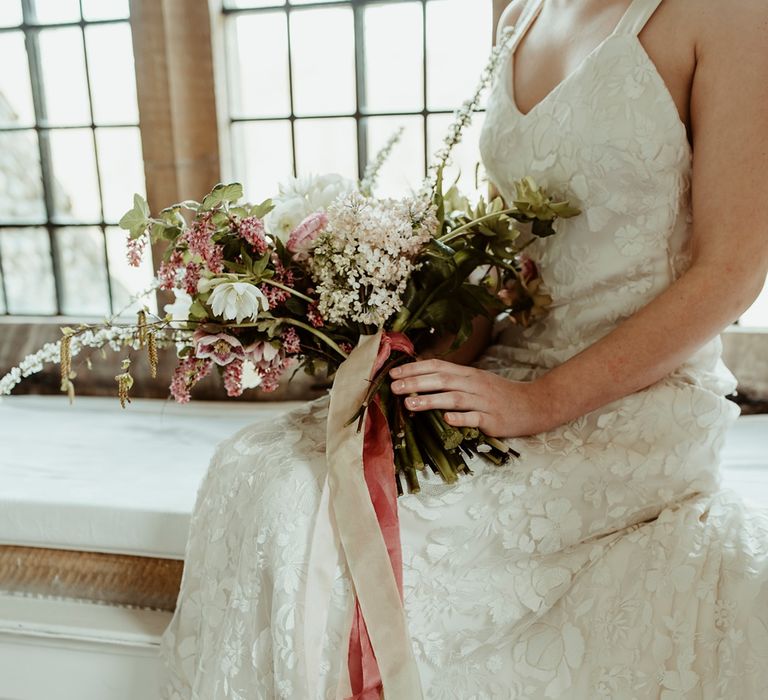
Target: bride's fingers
(432, 366)
(455, 400)
(440, 381)
(468, 419)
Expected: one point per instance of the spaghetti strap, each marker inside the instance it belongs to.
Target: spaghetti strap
(636, 16)
(519, 28)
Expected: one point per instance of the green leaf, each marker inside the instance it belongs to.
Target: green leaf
(136, 219)
(260, 265)
(197, 311)
(222, 193)
(261, 210)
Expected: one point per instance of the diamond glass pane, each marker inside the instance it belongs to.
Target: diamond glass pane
(404, 168)
(326, 146)
(63, 77)
(323, 61)
(394, 78)
(112, 73)
(455, 60)
(54, 11)
(128, 281)
(16, 106)
(21, 181)
(121, 169)
(105, 9)
(76, 187)
(28, 271)
(83, 270)
(263, 157)
(464, 157)
(258, 65)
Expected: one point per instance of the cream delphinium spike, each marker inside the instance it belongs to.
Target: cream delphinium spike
(374, 167)
(464, 115)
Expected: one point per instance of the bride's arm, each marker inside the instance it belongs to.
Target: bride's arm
(729, 113)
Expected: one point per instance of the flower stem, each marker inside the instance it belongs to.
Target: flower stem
(465, 227)
(285, 288)
(319, 334)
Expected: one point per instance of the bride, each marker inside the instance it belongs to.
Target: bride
(607, 561)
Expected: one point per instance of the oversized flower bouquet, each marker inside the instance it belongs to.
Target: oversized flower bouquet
(260, 302)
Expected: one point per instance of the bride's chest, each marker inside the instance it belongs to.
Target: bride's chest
(613, 122)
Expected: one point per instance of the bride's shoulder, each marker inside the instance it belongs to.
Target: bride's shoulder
(715, 23)
(511, 13)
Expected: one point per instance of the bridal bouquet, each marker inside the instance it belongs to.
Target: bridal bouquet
(265, 294)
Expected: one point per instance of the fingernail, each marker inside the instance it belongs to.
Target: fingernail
(398, 386)
(413, 402)
(396, 371)
(450, 416)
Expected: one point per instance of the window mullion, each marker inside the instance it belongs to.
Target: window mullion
(31, 40)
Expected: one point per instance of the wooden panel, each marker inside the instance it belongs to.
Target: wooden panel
(118, 579)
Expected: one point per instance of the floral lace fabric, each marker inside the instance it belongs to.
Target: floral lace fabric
(607, 562)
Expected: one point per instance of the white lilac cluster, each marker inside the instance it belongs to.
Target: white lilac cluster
(301, 196)
(116, 337)
(363, 259)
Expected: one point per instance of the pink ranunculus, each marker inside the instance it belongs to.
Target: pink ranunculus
(304, 234)
(221, 348)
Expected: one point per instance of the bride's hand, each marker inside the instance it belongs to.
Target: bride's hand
(475, 398)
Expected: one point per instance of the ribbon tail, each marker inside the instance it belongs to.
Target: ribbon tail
(364, 501)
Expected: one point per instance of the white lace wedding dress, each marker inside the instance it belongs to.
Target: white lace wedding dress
(607, 561)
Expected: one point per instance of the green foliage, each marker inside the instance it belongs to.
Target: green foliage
(136, 219)
(220, 194)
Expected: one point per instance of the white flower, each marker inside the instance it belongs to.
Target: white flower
(238, 301)
(301, 196)
(179, 310)
(251, 378)
(363, 258)
(286, 216)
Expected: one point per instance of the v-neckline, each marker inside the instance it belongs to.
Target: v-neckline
(509, 66)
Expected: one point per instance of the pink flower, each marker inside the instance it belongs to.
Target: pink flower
(199, 239)
(252, 230)
(314, 316)
(233, 378)
(187, 373)
(220, 348)
(301, 238)
(528, 269)
(291, 342)
(275, 295)
(136, 250)
(191, 278)
(168, 270)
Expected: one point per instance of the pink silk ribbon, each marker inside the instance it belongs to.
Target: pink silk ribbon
(358, 517)
(379, 470)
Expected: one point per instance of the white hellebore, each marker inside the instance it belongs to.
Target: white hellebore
(238, 301)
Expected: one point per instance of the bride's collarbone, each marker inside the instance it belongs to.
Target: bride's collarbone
(546, 58)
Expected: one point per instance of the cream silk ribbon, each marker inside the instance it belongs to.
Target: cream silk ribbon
(347, 522)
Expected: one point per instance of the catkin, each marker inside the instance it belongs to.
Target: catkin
(65, 360)
(152, 354)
